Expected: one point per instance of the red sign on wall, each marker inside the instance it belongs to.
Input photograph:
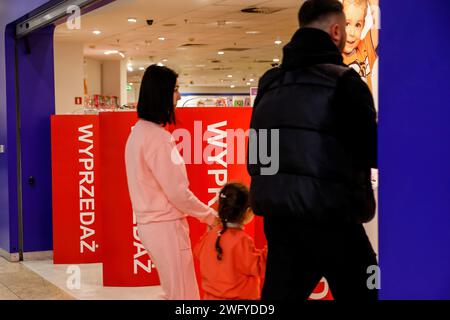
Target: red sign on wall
(77, 227)
(78, 100)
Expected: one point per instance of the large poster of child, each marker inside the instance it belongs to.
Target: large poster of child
(360, 53)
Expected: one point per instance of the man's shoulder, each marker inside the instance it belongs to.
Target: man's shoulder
(350, 80)
(270, 75)
(337, 71)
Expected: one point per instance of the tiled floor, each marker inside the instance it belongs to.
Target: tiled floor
(42, 280)
(17, 282)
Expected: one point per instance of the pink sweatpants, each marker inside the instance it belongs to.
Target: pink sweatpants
(169, 246)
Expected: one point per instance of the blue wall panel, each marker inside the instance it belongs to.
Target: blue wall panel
(415, 150)
(37, 104)
(10, 10)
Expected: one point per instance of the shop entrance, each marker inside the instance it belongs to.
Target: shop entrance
(219, 48)
(30, 103)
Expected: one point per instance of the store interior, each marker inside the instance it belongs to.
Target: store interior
(219, 48)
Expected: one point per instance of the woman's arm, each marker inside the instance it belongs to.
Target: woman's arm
(170, 172)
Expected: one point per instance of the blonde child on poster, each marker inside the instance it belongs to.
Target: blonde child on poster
(361, 53)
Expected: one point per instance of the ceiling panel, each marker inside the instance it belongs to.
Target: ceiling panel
(218, 24)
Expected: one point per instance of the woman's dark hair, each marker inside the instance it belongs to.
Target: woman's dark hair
(233, 205)
(156, 95)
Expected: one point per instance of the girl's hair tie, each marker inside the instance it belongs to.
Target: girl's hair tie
(223, 196)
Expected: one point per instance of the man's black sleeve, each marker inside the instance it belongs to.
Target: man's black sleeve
(358, 118)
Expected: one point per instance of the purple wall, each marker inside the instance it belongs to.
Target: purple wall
(10, 10)
(37, 104)
(36, 77)
(415, 150)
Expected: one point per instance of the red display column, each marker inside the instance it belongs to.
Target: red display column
(213, 143)
(77, 232)
(125, 260)
(205, 137)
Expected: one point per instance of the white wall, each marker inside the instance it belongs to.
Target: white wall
(114, 75)
(133, 95)
(123, 98)
(372, 226)
(69, 76)
(93, 75)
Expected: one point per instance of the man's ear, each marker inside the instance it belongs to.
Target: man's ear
(335, 33)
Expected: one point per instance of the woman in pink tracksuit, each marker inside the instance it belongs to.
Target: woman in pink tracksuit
(159, 187)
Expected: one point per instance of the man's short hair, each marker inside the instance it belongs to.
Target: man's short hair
(314, 10)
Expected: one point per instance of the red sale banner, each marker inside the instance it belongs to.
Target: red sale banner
(126, 263)
(213, 143)
(77, 227)
(199, 133)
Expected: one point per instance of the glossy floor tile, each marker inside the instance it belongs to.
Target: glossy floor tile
(91, 284)
(17, 282)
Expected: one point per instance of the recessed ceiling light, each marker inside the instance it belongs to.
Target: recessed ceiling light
(278, 42)
(130, 84)
(161, 38)
(132, 20)
(252, 32)
(221, 52)
(232, 86)
(164, 60)
(248, 83)
(96, 32)
(130, 67)
(142, 68)
(276, 60)
(160, 64)
(230, 76)
(251, 80)
(108, 52)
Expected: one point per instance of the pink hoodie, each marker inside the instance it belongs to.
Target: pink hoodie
(158, 185)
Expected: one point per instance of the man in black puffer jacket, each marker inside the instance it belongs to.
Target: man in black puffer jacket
(323, 135)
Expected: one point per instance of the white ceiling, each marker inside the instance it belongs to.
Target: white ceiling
(213, 24)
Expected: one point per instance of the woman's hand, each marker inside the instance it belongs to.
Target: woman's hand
(215, 224)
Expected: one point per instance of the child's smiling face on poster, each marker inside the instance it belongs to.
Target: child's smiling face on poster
(355, 16)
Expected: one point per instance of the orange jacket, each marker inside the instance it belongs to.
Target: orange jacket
(240, 273)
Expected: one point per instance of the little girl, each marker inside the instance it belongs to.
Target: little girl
(231, 267)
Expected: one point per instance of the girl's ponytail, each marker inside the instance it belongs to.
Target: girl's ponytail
(233, 203)
(220, 233)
